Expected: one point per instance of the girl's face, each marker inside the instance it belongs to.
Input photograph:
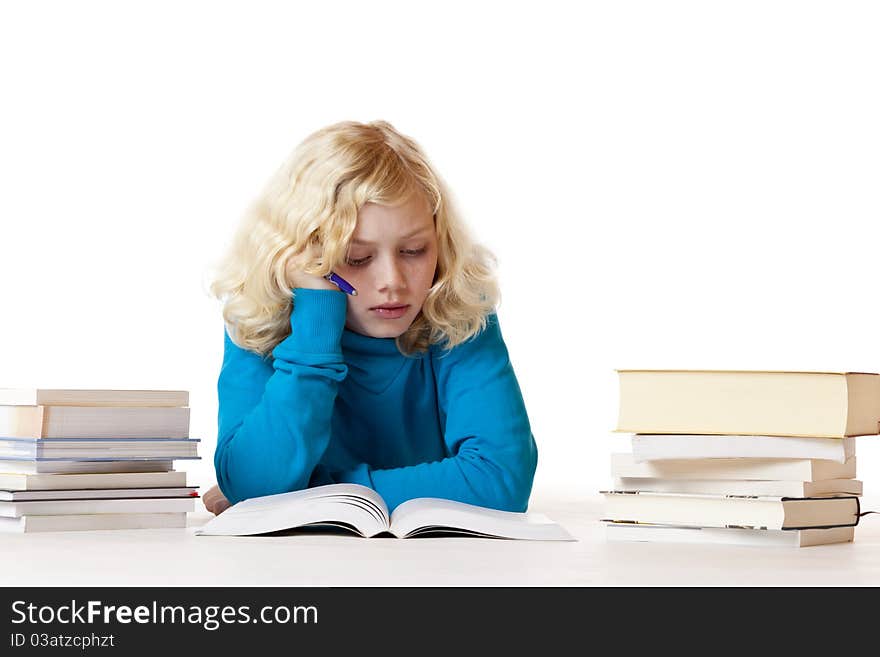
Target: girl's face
(391, 263)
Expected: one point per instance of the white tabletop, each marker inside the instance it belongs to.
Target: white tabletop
(176, 557)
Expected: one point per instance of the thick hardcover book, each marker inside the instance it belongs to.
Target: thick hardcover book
(788, 469)
(360, 510)
(655, 447)
(731, 511)
(58, 466)
(11, 481)
(91, 522)
(619, 531)
(83, 397)
(819, 404)
(96, 506)
(750, 487)
(93, 422)
(70, 448)
(95, 494)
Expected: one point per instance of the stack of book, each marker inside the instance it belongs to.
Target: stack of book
(94, 459)
(740, 457)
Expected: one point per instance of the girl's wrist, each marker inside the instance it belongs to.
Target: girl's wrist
(317, 320)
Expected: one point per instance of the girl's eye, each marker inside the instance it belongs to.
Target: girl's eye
(360, 262)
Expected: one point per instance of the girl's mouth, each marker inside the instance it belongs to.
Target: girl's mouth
(390, 311)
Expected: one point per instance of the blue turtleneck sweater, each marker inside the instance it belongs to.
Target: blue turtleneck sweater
(334, 406)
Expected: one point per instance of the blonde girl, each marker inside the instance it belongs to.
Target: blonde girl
(405, 387)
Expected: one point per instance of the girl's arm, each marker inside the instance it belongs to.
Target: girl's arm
(493, 455)
(274, 416)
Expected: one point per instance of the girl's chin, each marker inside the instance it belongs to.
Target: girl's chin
(380, 329)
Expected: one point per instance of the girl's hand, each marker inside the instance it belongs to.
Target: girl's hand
(296, 277)
(214, 501)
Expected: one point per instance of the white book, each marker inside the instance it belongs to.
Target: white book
(89, 507)
(84, 397)
(95, 493)
(362, 511)
(64, 523)
(68, 448)
(727, 536)
(826, 488)
(624, 465)
(93, 422)
(649, 447)
(38, 466)
(70, 481)
(725, 511)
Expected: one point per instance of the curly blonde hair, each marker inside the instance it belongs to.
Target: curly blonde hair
(310, 206)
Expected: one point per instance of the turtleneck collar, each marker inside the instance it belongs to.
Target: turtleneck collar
(366, 346)
(373, 363)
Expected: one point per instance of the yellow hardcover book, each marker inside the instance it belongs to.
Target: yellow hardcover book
(88, 397)
(730, 402)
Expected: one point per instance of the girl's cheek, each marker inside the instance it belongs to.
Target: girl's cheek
(420, 277)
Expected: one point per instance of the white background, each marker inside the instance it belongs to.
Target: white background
(665, 184)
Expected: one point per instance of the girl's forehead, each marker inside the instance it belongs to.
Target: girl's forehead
(383, 222)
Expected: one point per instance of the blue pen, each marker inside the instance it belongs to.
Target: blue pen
(341, 283)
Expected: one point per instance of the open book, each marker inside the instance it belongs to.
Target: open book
(361, 510)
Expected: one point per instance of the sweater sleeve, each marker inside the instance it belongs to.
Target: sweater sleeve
(493, 455)
(274, 413)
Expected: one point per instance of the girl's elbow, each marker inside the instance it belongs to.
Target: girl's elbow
(520, 477)
(514, 501)
(507, 495)
(510, 485)
(243, 487)
(517, 492)
(243, 480)
(233, 486)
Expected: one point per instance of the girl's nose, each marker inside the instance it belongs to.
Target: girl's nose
(391, 275)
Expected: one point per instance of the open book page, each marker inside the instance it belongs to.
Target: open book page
(349, 506)
(431, 516)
